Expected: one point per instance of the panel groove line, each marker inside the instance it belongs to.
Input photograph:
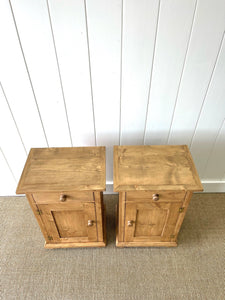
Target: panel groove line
(28, 73)
(33, 25)
(208, 87)
(151, 72)
(139, 30)
(10, 169)
(205, 41)
(10, 110)
(90, 73)
(60, 77)
(182, 72)
(121, 68)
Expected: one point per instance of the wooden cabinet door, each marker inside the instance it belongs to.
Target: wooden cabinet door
(69, 222)
(151, 221)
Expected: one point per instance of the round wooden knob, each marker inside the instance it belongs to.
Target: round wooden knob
(155, 197)
(90, 222)
(62, 198)
(130, 223)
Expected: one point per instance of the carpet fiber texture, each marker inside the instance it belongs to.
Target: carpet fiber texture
(193, 270)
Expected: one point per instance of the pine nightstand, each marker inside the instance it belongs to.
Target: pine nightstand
(64, 188)
(155, 185)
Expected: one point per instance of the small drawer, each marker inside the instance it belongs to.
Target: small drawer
(155, 196)
(42, 198)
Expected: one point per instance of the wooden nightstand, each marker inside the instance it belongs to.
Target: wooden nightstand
(64, 188)
(155, 185)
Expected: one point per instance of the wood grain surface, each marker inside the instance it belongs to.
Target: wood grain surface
(154, 168)
(63, 169)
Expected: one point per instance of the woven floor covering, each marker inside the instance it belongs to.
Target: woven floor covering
(193, 270)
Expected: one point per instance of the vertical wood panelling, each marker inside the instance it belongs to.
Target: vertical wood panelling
(34, 29)
(7, 180)
(104, 27)
(140, 19)
(208, 30)
(216, 163)
(69, 28)
(211, 117)
(10, 141)
(172, 41)
(84, 72)
(17, 88)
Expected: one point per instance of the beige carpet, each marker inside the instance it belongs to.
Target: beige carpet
(193, 270)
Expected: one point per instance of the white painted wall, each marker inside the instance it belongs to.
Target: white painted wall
(109, 72)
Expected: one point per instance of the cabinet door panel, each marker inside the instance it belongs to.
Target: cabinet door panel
(69, 222)
(151, 221)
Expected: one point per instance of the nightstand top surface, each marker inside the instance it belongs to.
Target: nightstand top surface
(161, 167)
(63, 169)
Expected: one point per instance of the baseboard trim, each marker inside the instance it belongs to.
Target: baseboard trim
(213, 186)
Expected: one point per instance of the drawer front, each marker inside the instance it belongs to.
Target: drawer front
(45, 198)
(155, 196)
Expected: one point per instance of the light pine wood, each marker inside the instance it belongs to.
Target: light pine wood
(49, 245)
(66, 201)
(155, 185)
(63, 169)
(42, 198)
(182, 215)
(121, 215)
(37, 215)
(154, 168)
(69, 222)
(98, 197)
(147, 196)
(151, 221)
(75, 245)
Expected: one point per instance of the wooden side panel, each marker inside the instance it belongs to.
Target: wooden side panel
(138, 41)
(34, 208)
(175, 22)
(182, 215)
(170, 224)
(121, 215)
(98, 197)
(70, 34)
(36, 38)
(204, 47)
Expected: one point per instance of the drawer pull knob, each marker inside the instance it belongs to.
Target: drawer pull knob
(155, 197)
(90, 223)
(62, 198)
(130, 223)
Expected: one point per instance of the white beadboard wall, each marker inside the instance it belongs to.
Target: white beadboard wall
(110, 72)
